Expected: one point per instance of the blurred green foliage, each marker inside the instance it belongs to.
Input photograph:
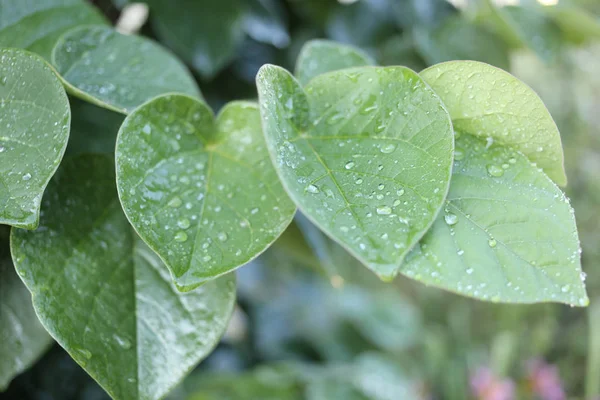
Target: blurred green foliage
(311, 322)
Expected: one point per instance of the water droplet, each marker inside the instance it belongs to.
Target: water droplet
(400, 192)
(174, 202)
(460, 252)
(27, 176)
(384, 210)
(206, 258)
(459, 154)
(254, 211)
(2, 148)
(451, 219)
(84, 352)
(181, 236)
(492, 243)
(495, 170)
(358, 181)
(222, 236)
(387, 148)
(565, 288)
(123, 342)
(312, 189)
(147, 129)
(512, 160)
(469, 271)
(183, 223)
(349, 165)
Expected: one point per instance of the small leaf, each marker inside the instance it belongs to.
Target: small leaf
(106, 297)
(201, 192)
(37, 25)
(369, 163)
(320, 56)
(34, 130)
(24, 339)
(116, 71)
(204, 33)
(507, 233)
(488, 102)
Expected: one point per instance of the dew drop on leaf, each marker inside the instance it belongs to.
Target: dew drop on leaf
(181, 236)
(451, 219)
(495, 170)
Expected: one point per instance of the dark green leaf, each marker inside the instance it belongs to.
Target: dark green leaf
(507, 232)
(487, 102)
(202, 192)
(34, 130)
(366, 153)
(320, 56)
(36, 25)
(106, 297)
(117, 71)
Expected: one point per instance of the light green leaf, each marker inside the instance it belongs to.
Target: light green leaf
(320, 56)
(507, 232)
(458, 39)
(116, 71)
(488, 102)
(366, 153)
(36, 25)
(34, 130)
(204, 33)
(106, 297)
(202, 192)
(22, 338)
(576, 24)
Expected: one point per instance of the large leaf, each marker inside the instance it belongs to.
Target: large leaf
(507, 232)
(320, 56)
(22, 337)
(117, 71)
(458, 39)
(34, 130)
(366, 153)
(200, 191)
(205, 33)
(488, 102)
(106, 297)
(36, 25)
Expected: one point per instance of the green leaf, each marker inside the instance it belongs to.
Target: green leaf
(204, 33)
(458, 39)
(200, 191)
(366, 153)
(507, 232)
(22, 338)
(577, 25)
(34, 130)
(488, 102)
(106, 297)
(116, 71)
(36, 25)
(320, 56)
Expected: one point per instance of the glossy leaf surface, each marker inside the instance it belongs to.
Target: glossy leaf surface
(34, 130)
(117, 71)
(202, 192)
(507, 233)
(366, 153)
(106, 297)
(487, 102)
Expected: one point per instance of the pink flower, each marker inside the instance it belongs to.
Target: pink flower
(487, 386)
(544, 380)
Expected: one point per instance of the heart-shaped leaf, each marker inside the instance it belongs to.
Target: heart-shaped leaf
(507, 232)
(320, 56)
(201, 192)
(106, 297)
(22, 338)
(366, 153)
(34, 130)
(117, 71)
(38, 24)
(488, 102)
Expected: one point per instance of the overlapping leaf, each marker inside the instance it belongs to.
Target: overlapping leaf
(507, 232)
(117, 71)
(487, 102)
(34, 130)
(366, 153)
(106, 297)
(22, 338)
(320, 56)
(201, 192)
(36, 25)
